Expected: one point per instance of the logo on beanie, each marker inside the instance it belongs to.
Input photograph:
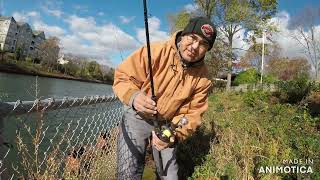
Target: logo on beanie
(207, 30)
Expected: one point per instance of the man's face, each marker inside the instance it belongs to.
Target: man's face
(193, 47)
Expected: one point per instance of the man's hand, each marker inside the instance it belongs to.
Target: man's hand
(157, 143)
(145, 104)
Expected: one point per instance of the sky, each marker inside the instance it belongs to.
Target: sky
(108, 31)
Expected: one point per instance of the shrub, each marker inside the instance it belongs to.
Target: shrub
(9, 56)
(29, 60)
(315, 86)
(294, 90)
(250, 138)
(247, 77)
(313, 102)
(255, 98)
(269, 79)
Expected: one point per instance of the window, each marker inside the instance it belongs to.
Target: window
(32, 42)
(1, 46)
(31, 48)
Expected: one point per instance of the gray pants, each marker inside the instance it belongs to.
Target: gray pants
(132, 142)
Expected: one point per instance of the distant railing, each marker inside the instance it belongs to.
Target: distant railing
(219, 85)
(70, 138)
(253, 87)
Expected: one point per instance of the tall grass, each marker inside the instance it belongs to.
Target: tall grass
(252, 132)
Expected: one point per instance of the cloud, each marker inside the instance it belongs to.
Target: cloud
(290, 47)
(154, 32)
(33, 14)
(191, 8)
(47, 29)
(52, 8)
(53, 12)
(33, 18)
(19, 17)
(25, 16)
(100, 42)
(126, 20)
(239, 44)
(80, 24)
(82, 8)
(101, 13)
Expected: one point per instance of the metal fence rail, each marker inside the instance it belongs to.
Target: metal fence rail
(71, 138)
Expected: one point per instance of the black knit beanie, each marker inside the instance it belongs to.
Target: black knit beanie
(203, 27)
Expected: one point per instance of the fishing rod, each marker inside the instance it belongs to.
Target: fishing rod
(153, 96)
(148, 48)
(166, 132)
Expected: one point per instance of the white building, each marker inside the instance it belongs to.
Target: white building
(18, 36)
(62, 61)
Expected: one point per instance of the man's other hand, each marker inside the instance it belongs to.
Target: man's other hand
(157, 143)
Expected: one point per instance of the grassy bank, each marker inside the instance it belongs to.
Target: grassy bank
(23, 67)
(243, 132)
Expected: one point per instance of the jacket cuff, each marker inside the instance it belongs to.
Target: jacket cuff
(127, 96)
(133, 96)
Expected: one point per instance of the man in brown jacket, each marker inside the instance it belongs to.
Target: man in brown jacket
(181, 88)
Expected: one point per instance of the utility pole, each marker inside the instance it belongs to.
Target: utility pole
(262, 56)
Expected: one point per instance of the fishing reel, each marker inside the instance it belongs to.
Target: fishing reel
(166, 132)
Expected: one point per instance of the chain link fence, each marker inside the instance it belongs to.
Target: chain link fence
(59, 139)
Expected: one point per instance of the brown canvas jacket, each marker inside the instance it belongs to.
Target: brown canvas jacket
(179, 91)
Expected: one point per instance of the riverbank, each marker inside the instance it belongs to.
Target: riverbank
(14, 68)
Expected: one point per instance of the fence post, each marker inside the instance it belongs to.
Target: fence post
(4, 111)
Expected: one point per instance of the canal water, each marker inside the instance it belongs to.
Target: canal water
(73, 122)
(28, 88)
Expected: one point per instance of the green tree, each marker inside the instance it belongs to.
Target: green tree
(2, 54)
(178, 21)
(109, 76)
(250, 76)
(71, 68)
(19, 54)
(232, 16)
(95, 70)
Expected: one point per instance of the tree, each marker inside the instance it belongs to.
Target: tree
(178, 21)
(252, 57)
(288, 69)
(95, 70)
(2, 53)
(19, 54)
(231, 16)
(109, 76)
(216, 60)
(307, 35)
(251, 76)
(49, 52)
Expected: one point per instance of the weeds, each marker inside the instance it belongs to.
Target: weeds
(254, 133)
(41, 152)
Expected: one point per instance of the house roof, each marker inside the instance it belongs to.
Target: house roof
(37, 32)
(5, 18)
(21, 23)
